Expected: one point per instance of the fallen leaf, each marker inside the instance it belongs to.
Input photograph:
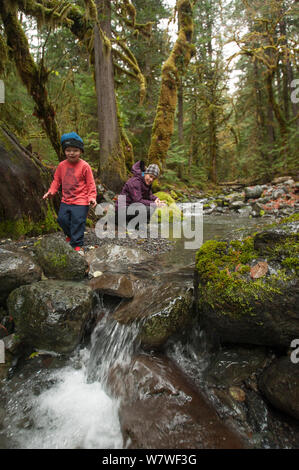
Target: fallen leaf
(259, 270)
(237, 393)
(97, 274)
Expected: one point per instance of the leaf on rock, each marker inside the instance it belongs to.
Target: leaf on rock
(259, 270)
(237, 393)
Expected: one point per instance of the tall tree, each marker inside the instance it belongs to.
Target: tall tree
(111, 162)
(173, 68)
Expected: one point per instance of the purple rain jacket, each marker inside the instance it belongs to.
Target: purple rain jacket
(136, 190)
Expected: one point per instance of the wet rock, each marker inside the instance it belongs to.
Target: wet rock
(237, 205)
(114, 256)
(253, 192)
(113, 284)
(12, 343)
(257, 209)
(51, 315)
(162, 409)
(268, 241)
(245, 211)
(233, 366)
(59, 260)
(163, 308)
(278, 193)
(280, 385)
(7, 324)
(16, 269)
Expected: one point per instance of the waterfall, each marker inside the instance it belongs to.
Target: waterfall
(70, 407)
(112, 344)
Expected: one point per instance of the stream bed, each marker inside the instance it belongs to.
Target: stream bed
(55, 402)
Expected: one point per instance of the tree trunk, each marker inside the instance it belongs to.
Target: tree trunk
(111, 168)
(260, 117)
(213, 141)
(172, 69)
(213, 145)
(23, 181)
(193, 146)
(180, 113)
(287, 73)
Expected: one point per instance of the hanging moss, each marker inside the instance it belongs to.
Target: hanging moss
(129, 59)
(33, 77)
(172, 69)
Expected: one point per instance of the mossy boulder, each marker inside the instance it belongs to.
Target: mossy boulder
(59, 260)
(51, 315)
(163, 309)
(16, 269)
(169, 212)
(248, 293)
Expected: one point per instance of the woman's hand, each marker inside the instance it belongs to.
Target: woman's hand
(160, 203)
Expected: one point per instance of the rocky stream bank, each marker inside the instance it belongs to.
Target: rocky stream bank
(212, 351)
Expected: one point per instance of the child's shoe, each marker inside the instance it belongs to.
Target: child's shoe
(79, 250)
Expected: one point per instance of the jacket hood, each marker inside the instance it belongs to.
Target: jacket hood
(137, 168)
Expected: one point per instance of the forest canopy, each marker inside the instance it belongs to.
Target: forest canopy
(208, 89)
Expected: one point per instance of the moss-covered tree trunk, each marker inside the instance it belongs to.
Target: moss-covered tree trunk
(111, 168)
(34, 77)
(172, 69)
(23, 181)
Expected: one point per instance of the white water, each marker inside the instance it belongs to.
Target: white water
(70, 414)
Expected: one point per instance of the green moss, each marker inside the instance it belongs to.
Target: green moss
(291, 218)
(157, 328)
(224, 281)
(167, 213)
(89, 223)
(56, 260)
(27, 227)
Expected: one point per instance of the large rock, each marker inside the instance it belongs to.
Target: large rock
(280, 384)
(231, 367)
(253, 192)
(248, 295)
(59, 260)
(16, 269)
(114, 284)
(163, 309)
(51, 315)
(23, 181)
(114, 257)
(162, 409)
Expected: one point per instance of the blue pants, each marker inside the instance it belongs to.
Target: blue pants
(72, 220)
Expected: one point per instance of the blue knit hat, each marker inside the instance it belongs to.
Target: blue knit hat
(71, 140)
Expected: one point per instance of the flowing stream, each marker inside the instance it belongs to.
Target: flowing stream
(65, 404)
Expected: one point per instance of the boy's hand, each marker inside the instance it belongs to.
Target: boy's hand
(93, 203)
(48, 194)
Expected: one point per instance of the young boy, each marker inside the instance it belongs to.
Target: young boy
(78, 190)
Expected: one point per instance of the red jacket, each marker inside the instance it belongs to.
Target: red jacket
(77, 182)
